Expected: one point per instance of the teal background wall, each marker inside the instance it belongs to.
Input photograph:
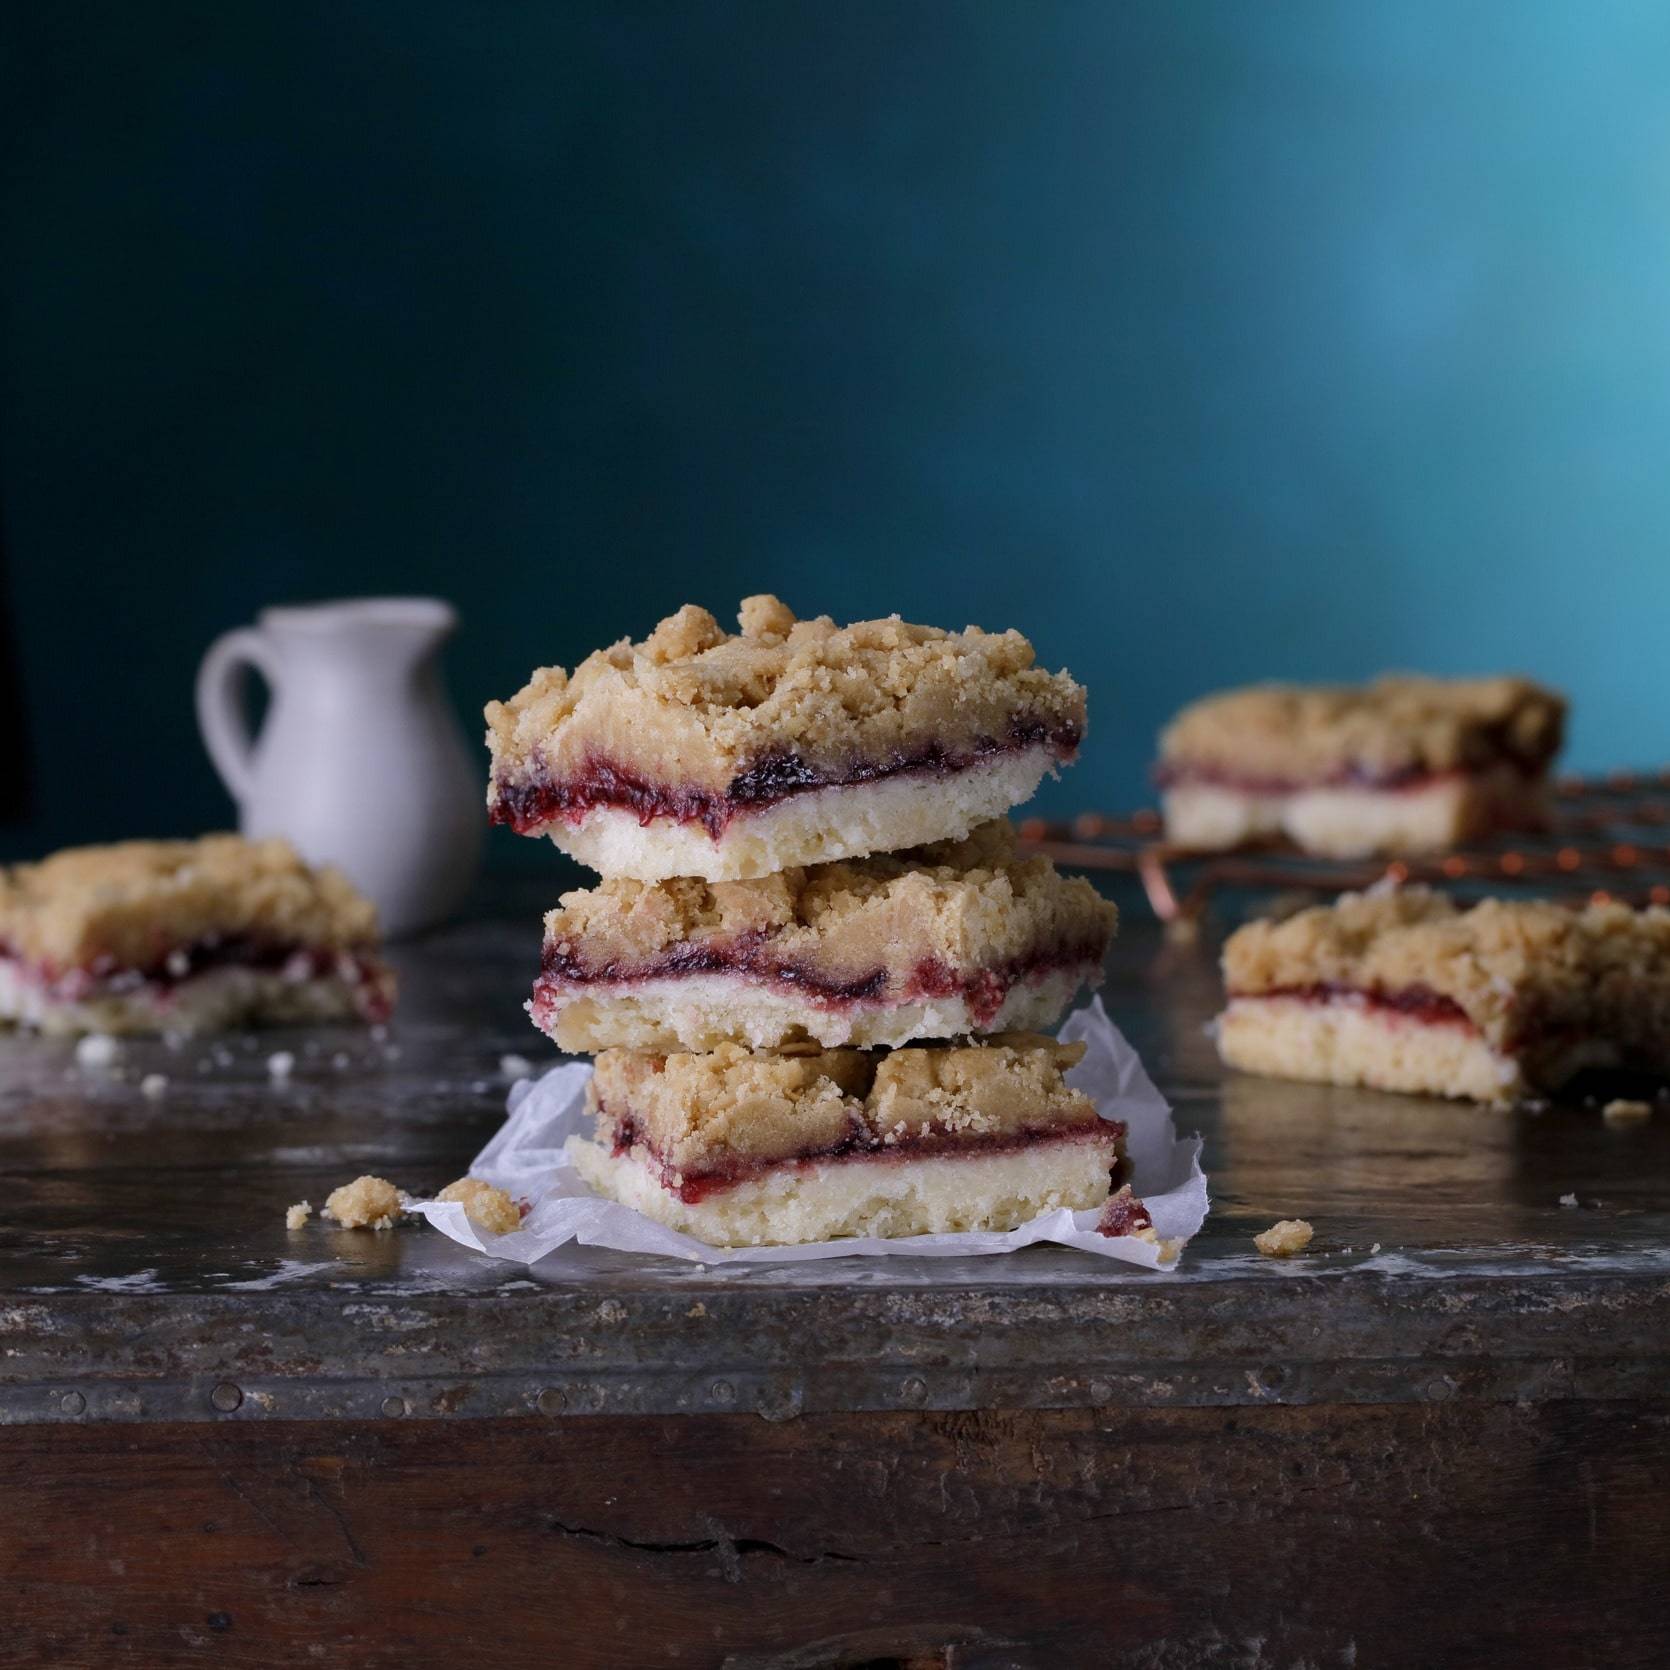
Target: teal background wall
(1205, 342)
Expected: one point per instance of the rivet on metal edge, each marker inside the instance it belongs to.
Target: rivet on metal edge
(1440, 1389)
(226, 1397)
(914, 1390)
(722, 1391)
(73, 1403)
(1101, 1392)
(394, 1406)
(551, 1401)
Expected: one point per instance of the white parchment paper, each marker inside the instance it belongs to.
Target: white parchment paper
(526, 1159)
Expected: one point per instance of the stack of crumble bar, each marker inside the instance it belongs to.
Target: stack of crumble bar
(816, 975)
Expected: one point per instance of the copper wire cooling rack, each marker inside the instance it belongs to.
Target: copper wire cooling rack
(1609, 837)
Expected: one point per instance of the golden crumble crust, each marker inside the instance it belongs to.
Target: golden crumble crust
(1512, 965)
(700, 1112)
(695, 705)
(1400, 723)
(964, 904)
(132, 901)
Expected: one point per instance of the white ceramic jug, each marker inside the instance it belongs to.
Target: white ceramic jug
(360, 761)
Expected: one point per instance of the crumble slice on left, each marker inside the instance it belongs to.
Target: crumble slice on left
(1401, 765)
(185, 936)
(749, 1149)
(960, 937)
(731, 756)
(1405, 991)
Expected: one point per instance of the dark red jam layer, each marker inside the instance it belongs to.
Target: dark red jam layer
(173, 967)
(528, 805)
(750, 958)
(1417, 1003)
(860, 1145)
(1124, 1214)
(1407, 779)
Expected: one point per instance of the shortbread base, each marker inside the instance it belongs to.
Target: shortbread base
(1353, 820)
(1352, 1042)
(888, 1196)
(217, 1000)
(845, 821)
(702, 1011)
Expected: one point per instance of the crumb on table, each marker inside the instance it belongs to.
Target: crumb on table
(97, 1049)
(1284, 1239)
(1568, 1200)
(367, 1202)
(484, 1204)
(295, 1216)
(1623, 1111)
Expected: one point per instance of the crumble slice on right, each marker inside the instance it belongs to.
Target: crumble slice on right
(1404, 764)
(749, 1149)
(185, 936)
(731, 756)
(1404, 990)
(962, 937)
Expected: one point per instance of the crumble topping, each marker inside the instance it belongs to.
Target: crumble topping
(1516, 967)
(1284, 1239)
(698, 1112)
(127, 903)
(366, 1203)
(1397, 725)
(961, 904)
(295, 1216)
(695, 706)
(489, 1207)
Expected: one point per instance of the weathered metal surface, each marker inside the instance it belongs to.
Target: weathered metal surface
(145, 1273)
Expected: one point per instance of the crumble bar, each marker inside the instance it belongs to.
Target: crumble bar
(745, 1149)
(1403, 990)
(731, 756)
(1405, 764)
(960, 937)
(184, 936)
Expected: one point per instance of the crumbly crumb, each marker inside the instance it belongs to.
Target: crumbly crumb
(122, 903)
(695, 705)
(98, 1050)
(295, 1216)
(1624, 1111)
(966, 905)
(367, 1202)
(1284, 1239)
(1304, 733)
(484, 1204)
(696, 1110)
(1568, 1200)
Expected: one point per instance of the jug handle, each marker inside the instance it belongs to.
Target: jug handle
(221, 715)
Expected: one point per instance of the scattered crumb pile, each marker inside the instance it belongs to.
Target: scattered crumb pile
(492, 1209)
(1623, 1112)
(297, 1215)
(1284, 1239)
(367, 1202)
